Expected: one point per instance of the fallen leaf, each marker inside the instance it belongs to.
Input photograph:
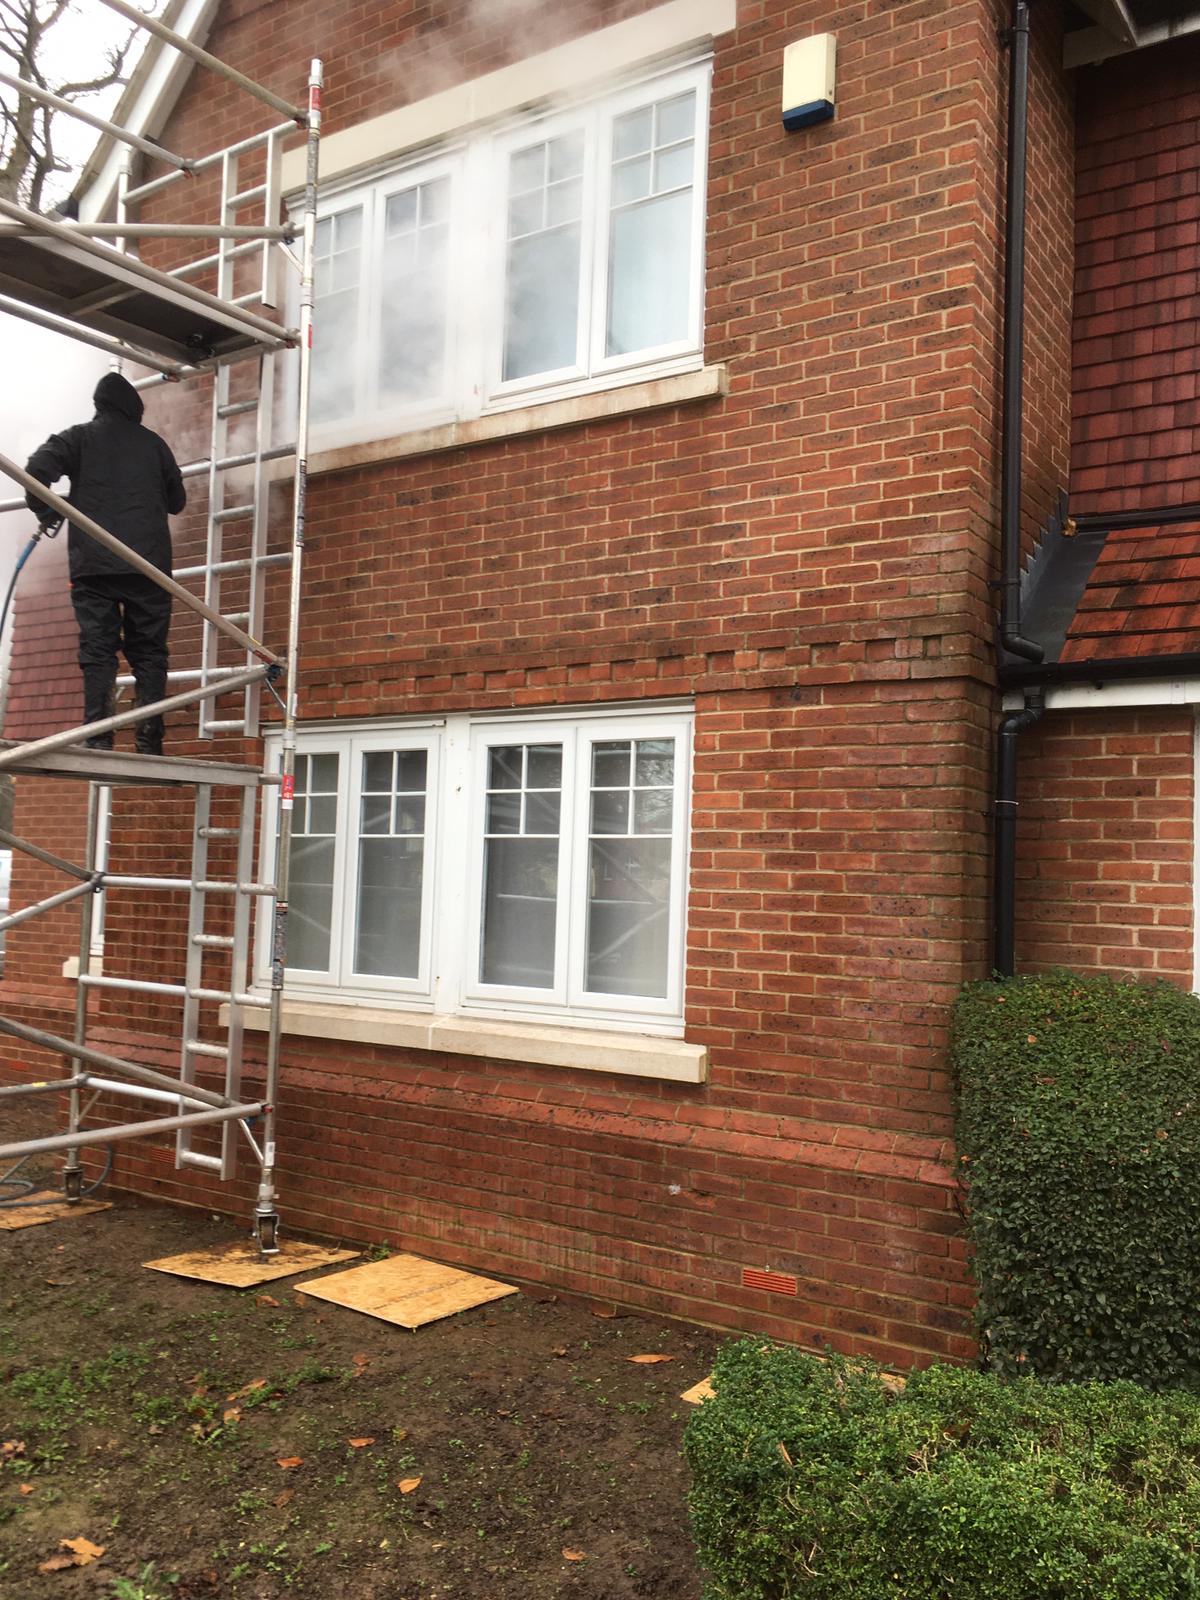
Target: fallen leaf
(783, 1451)
(25, 1488)
(407, 1485)
(284, 1495)
(288, 1462)
(559, 1350)
(361, 1362)
(10, 1448)
(56, 1564)
(573, 1555)
(597, 1311)
(247, 1389)
(232, 1414)
(649, 1361)
(265, 1300)
(85, 1551)
(399, 1433)
(357, 1444)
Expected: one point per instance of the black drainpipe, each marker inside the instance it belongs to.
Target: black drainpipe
(1011, 640)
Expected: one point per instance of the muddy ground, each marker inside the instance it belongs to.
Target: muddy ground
(548, 1462)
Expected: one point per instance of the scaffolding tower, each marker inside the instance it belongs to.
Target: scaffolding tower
(67, 276)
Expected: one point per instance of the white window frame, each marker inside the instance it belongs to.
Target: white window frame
(453, 871)
(477, 167)
(339, 978)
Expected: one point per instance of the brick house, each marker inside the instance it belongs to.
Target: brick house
(649, 680)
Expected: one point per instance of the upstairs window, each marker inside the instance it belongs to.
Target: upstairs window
(551, 256)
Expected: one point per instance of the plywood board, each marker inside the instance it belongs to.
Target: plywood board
(699, 1391)
(46, 1206)
(239, 1266)
(406, 1290)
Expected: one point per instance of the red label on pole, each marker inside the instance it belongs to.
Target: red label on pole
(314, 97)
(287, 787)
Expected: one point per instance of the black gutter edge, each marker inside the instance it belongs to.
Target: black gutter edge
(1131, 668)
(1004, 885)
(1113, 521)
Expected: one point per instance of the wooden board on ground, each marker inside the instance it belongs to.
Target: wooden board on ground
(46, 1206)
(406, 1290)
(239, 1266)
(699, 1391)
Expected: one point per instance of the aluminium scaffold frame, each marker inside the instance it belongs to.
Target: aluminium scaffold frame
(65, 276)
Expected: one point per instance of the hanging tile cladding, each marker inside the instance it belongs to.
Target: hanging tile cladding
(1136, 428)
(1106, 858)
(1143, 597)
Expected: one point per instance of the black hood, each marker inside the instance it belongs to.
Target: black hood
(115, 393)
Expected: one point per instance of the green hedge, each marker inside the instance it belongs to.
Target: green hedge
(1079, 1137)
(811, 1480)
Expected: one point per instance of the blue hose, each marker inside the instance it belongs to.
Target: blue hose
(49, 529)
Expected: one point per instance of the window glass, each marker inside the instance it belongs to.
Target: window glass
(412, 346)
(314, 839)
(629, 867)
(542, 269)
(391, 860)
(650, 226)
(337, 268)
(520, 872)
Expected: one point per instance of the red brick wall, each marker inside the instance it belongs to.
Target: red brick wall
(1105, 867)
(807, 558)
(1136, 433)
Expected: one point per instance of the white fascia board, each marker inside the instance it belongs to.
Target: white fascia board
(1114, 696)
(566, 69)
(162, 72)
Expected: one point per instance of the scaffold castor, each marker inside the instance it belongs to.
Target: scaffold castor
(266, 1232)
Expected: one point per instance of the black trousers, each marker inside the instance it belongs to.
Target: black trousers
(128, 613)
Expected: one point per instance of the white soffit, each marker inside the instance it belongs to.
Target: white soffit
(1117, 32)
(1114, 696)
(566, 69)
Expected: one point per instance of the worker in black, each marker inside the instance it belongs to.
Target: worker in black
(125, 478)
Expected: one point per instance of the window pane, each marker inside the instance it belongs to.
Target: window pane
(377, 771)
(652, 811)
(338, 273)
(649, 274)
(676, 119)
(673, 168)
(632, 133)
(610, 765)
(545, 766)
(610, 811)
(655, 763)
(520, 889)
(631, 181)
(391, 853)
(520, 906)
(541, 303)
(541, 312)
(388, 938)
(314, 823)
(412, 348)
(628, 919)
(311, 903)
(504, 766)
(504, 813)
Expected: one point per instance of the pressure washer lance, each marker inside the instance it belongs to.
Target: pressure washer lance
(47, 529)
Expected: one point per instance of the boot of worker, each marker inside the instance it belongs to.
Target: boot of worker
(148, 739)
(98, 686)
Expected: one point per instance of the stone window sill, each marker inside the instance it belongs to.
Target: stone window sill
(591, 1049)
(706, 383)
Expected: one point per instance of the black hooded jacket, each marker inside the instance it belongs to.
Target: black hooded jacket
(122, 475)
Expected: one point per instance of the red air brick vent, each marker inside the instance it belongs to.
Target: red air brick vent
(773, 1282)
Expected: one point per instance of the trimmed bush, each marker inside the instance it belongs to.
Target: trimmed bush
(810, 1479)
(1079, 1138)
